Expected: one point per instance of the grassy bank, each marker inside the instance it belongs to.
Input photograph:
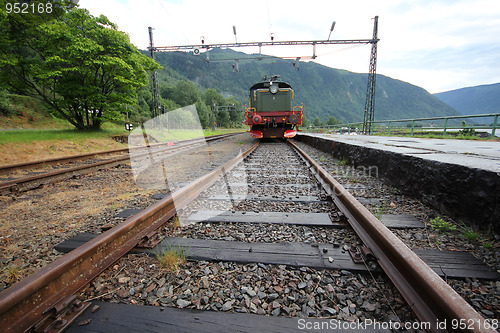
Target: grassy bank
(27, 136)
(29, 145)
(109, 130)
(29, 132)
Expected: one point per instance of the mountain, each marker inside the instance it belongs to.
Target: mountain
(324, 91)
(473, 100)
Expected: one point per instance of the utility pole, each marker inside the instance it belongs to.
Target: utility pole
(156, 95)
(370, 88)
(213, 122)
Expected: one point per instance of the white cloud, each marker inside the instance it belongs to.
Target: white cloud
(436, 44)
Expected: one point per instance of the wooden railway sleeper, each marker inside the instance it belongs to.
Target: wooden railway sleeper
(61, 315)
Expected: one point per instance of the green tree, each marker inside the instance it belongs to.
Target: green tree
(6, 107)
(167, 91)
(185, 93)
(305, 122)
(145, 101)
(170, 105)
(316, 122)
(211, 95)
(81, 66)
(222, 118)
(332, 121)
(237, 115)
(203, 114)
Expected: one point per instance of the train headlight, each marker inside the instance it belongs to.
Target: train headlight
(273, 89)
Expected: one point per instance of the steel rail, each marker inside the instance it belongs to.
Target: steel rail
(48, 161)
(430, 297)
(18, 183)
(22, 306)
(23, 165)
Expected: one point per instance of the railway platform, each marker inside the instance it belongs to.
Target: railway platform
(467, 153)
(460, 178)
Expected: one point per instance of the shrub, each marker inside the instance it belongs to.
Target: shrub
(439, 224)
(6, 106)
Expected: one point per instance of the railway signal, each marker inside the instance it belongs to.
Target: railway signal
(129, 127)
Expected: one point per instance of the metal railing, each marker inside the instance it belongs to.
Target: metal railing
(410, 126)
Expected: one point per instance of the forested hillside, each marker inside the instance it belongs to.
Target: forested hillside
(473, 100)
(324, 91)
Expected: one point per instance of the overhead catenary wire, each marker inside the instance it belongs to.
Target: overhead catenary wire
(173, 20)
(269, 21)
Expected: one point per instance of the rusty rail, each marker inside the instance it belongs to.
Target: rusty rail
(429, 296)
(24, 165)
(23, 305)
(22, 183)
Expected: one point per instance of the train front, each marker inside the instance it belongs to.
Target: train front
(270, 113)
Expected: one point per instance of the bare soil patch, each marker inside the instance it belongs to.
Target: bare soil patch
(11, 153)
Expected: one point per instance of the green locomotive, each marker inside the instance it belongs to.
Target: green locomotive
(270, 113)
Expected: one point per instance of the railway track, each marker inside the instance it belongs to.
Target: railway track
(25, 176)
(254, 192)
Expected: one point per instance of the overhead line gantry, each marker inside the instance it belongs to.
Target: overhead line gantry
(195, 48)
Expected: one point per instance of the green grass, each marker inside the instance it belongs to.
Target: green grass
(470, 235)
(379, 211)
(447, 136)
(172, 258)
(13, 274)
(109, 130)
(343, 162)
(23, 136)
(176, 135)
(209, 132)
(488, 245)
(431, 135)
(443, 226)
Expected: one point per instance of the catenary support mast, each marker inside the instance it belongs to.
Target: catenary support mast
(154, 77)
(370, 89)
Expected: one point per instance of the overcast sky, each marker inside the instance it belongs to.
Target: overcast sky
(439, 45)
